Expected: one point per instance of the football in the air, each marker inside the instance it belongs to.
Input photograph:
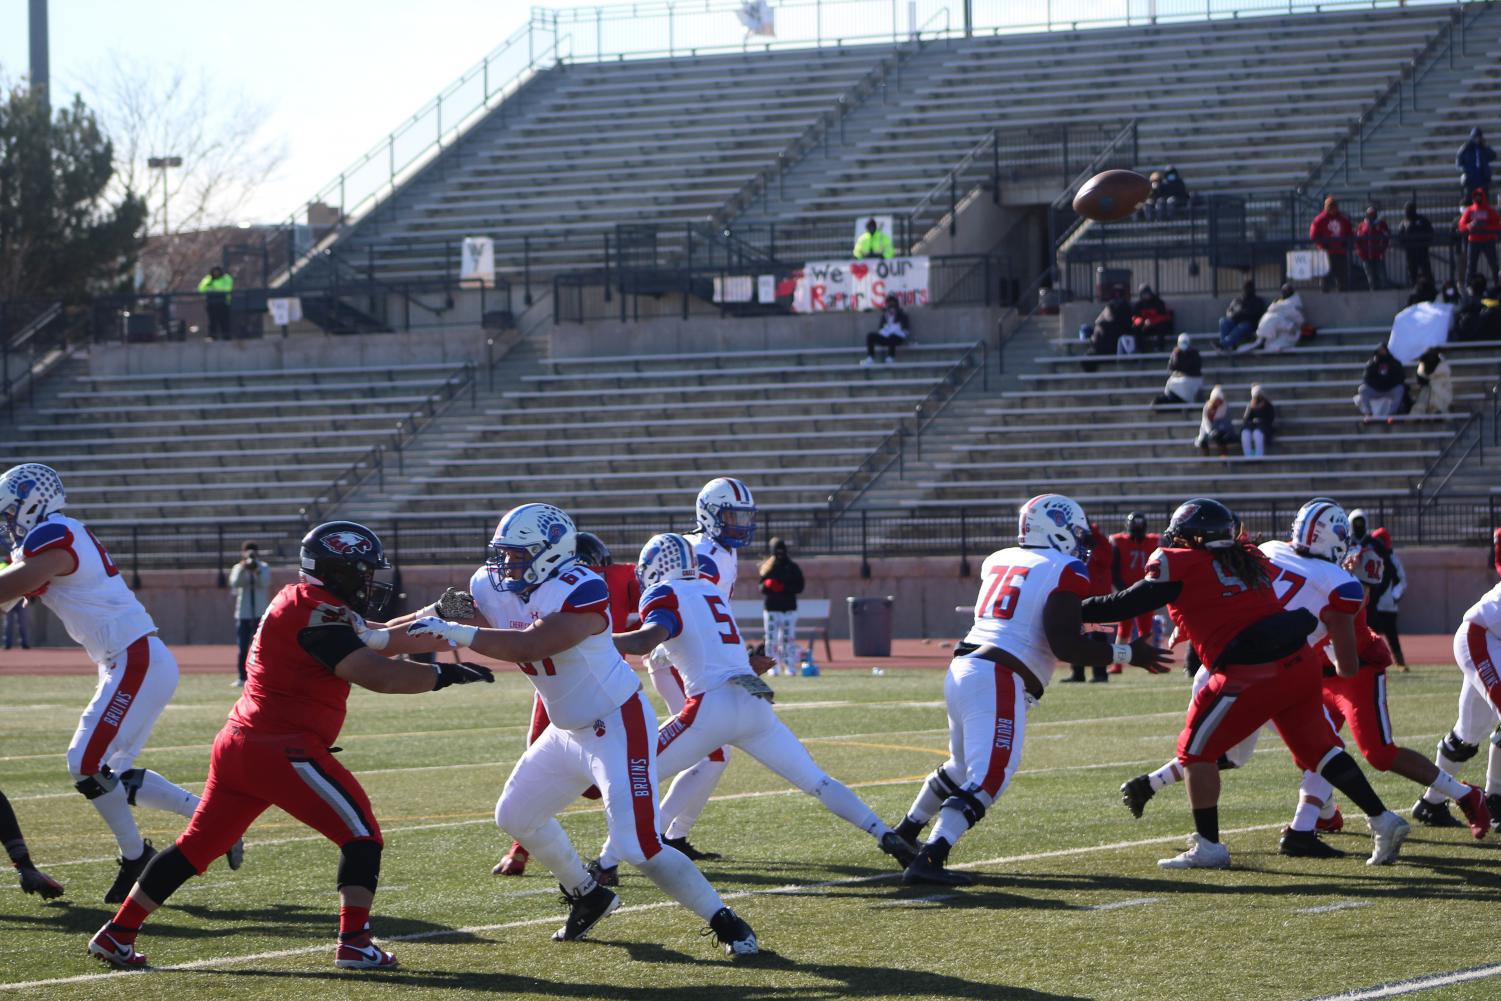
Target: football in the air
(1111, 195)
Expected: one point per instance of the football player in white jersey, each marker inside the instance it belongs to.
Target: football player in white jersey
(727, 704)
(1027, 618)
(1477, 651)
(57, 561)
(726, 515)
(541, 609)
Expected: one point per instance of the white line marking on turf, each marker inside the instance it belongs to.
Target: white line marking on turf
(1118, 904)
(793, 889)
(1338, 905)
(935, 898)
(1401, 987)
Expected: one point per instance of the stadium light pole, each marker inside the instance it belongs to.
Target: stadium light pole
(163, 163)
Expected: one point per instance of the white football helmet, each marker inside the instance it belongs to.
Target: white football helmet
(727, 512)
(1053, 521)
(28, 494)
(666, 557)
(1321, 529)
(533, 543)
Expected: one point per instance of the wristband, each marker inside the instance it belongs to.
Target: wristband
(375, 639)
(1121, 652)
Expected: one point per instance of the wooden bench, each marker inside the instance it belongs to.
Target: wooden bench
(812, 620)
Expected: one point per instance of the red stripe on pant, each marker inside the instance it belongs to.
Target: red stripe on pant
(718, 753)
(638, 765)
(1480, 655)
(1003, 735)
(679, 724)
(539, 720)
(137, 659)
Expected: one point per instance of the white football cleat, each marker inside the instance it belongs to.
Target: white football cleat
(1388, 831)
(363, 957)
(105, 948)
(1201, 854)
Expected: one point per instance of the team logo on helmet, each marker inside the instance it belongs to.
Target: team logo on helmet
(1059, 517)
(24, 488)
(345, 543)
(555, 532)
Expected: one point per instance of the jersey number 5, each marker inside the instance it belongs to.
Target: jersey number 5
(722, 616)
(110, 570)
(1003, 594)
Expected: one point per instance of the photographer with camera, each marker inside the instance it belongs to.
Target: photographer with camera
(250, 580)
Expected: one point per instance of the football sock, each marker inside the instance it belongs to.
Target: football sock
(1166, 775)
(1493, 770)
(680, 879)
(127, 921)
(1207, 823)
(157, 793)
(1330, 807)
(115, 809)
(910, 827)
(549, 845)
(354, 923)
(839, 800)
(950, 827)
(1315, 800)
(10, 835)
(1306, 815)
(689, 794)
(1346, 776)
(930, 796)
(1448, 785)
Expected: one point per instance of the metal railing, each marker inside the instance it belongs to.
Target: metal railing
(1123, 150)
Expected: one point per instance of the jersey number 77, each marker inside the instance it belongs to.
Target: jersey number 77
(1001, 597)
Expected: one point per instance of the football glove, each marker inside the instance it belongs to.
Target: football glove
(455, 634)
(462, 673)
(456, 604)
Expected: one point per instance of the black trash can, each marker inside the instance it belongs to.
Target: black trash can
(870, 626)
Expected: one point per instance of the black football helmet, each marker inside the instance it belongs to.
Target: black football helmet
(592, 551)
(1136, 525)
(1202, 523)
(343, 558)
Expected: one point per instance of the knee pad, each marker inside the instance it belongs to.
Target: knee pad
(131, 779)
(359, 864)
(94, 786)
(968, 804)
(940, 785)
(165, 873)
(1457, 750)
(1382, 757)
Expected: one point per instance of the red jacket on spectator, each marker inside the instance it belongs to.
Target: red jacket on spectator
(1371, 240)
(1480, 222)
(1330, 230)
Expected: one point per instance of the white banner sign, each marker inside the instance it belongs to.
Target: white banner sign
(1303, 265)
(829, 286)
(285, 311)
(477, 261)
(733, 288)
(766, 288)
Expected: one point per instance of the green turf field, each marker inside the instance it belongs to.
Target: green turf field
(1070, 905)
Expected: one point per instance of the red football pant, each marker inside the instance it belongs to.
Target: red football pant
(1235, 703)
(1141, 626)
(250, 772)
(1361, 700)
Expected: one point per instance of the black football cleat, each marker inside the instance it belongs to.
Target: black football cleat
(899, 848)
(34, 880)
(1136, 794)
(1434, 814)
(1493, 804)
(585, 911)
(603, 876)
(928, 867)
(1306, 844)
(731, 931)
(682, 845)
(910, 830)
(130, 871)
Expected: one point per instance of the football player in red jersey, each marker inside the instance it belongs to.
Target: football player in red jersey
(625, 595)
(1101, 557)
(277, 747)
(1130, 551)
(1264, 671)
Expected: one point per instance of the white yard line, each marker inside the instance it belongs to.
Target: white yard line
(1430, 982)
(1118, 904)
(1338, 905)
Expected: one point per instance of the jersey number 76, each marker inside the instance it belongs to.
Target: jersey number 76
(1003, 593)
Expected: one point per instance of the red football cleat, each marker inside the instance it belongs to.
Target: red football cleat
(1474, 807)
(1116, 669)
(514, 864)
(105, 948)
(365, 956)
(1334, 823)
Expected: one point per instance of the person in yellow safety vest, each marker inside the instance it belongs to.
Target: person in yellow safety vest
(874, 243)
(216, 287)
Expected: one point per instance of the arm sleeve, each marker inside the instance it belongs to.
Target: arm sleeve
(329, 644)
(1146, 595)
(659, 606)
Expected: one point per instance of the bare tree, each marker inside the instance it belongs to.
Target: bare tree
(151, 110)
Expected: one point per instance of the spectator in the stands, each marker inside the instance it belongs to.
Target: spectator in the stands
(1372, 238)
(1281, 325)
(1449, 293)
(1332, 233)
(1238, 325)
(1256, 424)
(1415, 237)
(1111, 326)
(1215, 426)
(874, 242)
(1467, 325)
(1435, 384)
(1151, 320)
(216, 287)
(1185, 374)
(1383, 387)
(893, 331)
(781, 583)
(1474, 163)
(1168, 196)
(1423, 290)
(1481, 225)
